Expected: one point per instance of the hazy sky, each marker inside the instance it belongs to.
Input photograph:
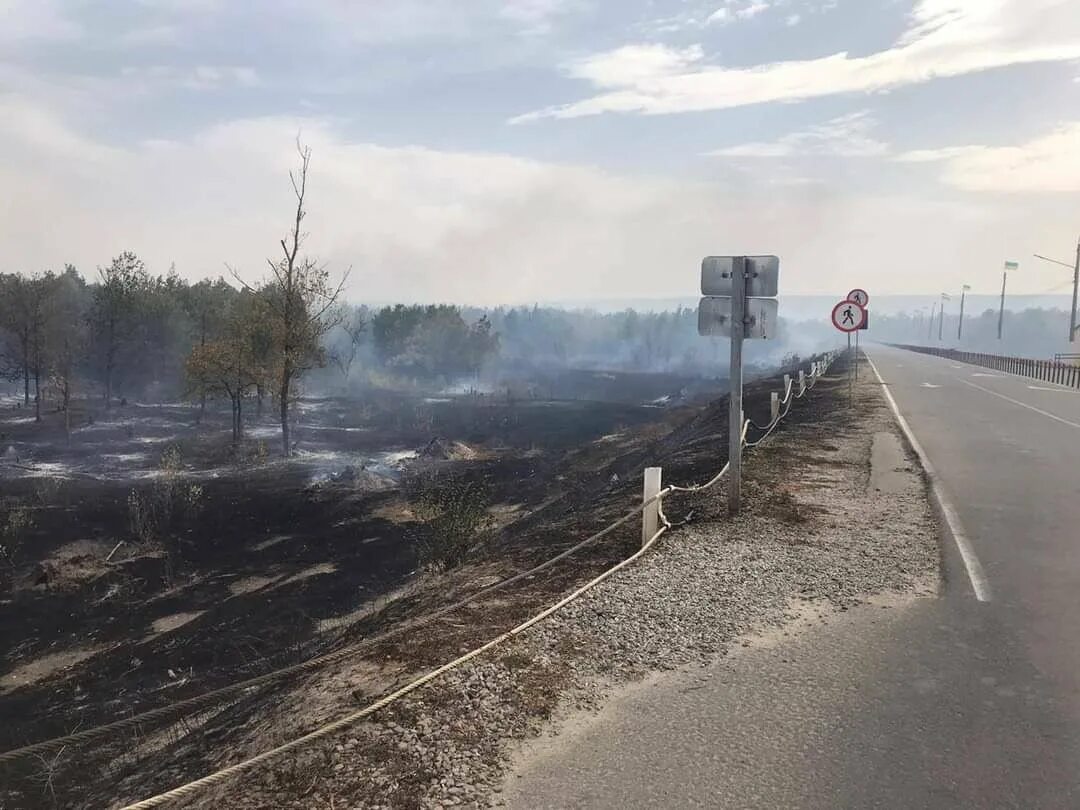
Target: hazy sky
(518, 150)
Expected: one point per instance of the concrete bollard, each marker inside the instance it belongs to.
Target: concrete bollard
(651, 514)
(802, 382)
(774, 407)
(787, 384)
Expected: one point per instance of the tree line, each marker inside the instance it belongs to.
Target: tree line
(129, 332)
(1033, 332)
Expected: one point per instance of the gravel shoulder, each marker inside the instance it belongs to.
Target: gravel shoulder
(823, 531)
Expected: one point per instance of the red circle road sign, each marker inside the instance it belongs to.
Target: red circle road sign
(859, 296)
(847, 316)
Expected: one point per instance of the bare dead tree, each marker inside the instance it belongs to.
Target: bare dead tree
(301, 301)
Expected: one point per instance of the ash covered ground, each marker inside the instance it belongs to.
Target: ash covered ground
(261, 562)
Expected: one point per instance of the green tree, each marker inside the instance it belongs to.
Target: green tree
(234, 362)
(65, 336)
(344, 351)
(207, 305)
(115, 315)
(15, 330)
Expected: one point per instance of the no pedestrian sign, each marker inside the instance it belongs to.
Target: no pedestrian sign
(847, 316)
(859, 296)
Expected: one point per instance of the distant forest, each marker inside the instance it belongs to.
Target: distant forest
(127, 333)
(1035, 333)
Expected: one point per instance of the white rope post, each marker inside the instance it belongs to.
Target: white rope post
(787, 383)
(802, 382)
(774, 407)
(650, 516)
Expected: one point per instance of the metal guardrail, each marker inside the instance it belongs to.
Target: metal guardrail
(1052, 371)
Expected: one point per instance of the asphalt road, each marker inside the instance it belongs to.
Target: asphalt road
(948, 702)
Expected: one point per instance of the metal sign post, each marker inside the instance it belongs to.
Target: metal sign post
(739, 304)
(735, 409)
(850, 387)
(849, 316)
(862, 298)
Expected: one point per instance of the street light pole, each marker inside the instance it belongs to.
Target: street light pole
(941, 317)
(1076, 284)
(930, 331)
(1001, 311)
(960, 326)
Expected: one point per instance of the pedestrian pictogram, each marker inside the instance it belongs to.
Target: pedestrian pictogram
(859, 296)
(847, 316)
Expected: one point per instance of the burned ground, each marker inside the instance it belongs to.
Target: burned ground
(289, 560)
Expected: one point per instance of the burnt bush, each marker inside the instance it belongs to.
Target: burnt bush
(160, 512)
(455, 520)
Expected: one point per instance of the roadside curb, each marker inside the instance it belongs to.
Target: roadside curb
(950, 520)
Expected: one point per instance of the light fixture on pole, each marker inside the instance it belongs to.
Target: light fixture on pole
(960, 326)
(1076, 285)
(1004, 274)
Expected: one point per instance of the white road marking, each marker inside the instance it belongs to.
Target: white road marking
(954, 365)
(1046, 388)
(975, 572)
(930, 385)
(1040, 411)
(984, 374)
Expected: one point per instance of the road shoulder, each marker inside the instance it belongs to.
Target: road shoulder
(818, 555)
(816, 537)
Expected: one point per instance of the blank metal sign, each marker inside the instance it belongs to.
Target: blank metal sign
(763, 275)
(714, 317)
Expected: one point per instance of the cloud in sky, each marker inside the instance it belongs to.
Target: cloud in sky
(35, 20)
(418, 223)
(733, 10)
(197, 77)
(1048, 163)
(167, 127)
(846, 136)
(944, 38)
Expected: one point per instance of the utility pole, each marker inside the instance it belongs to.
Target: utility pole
(930, 331)
(960, 327)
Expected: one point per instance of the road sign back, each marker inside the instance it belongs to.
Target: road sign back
(714, 317)
(859, 296)
(762, 275)
(847, 316)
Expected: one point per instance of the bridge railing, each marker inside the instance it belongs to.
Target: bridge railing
(1059, 371)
